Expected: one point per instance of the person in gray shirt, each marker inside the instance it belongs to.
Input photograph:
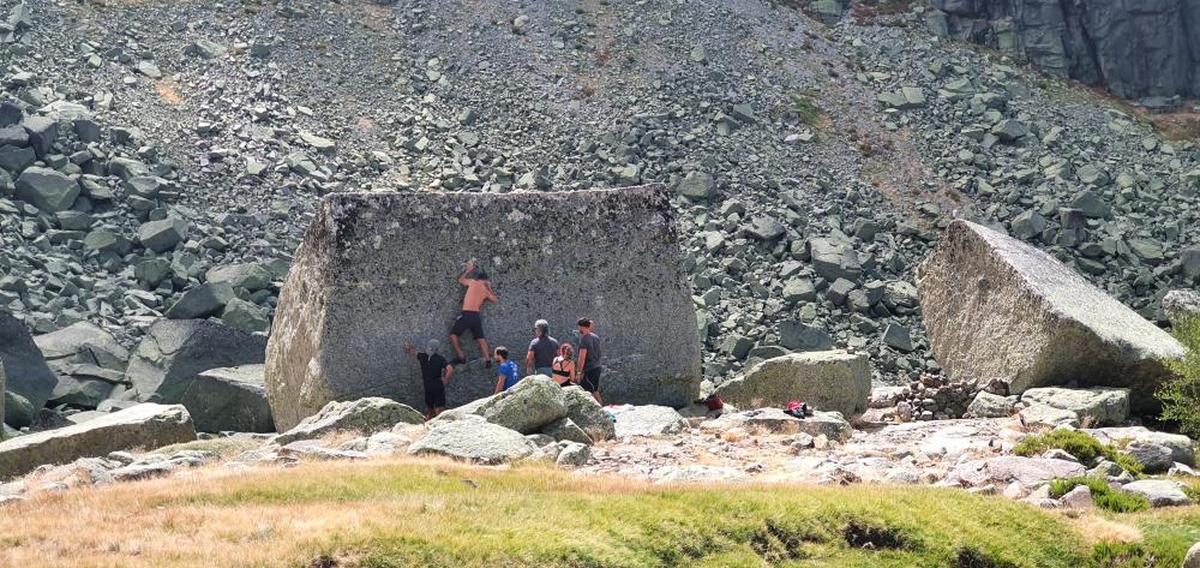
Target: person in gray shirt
(540, 357)
(590, 355)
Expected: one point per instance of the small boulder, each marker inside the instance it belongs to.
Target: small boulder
(988, 405)
(163, 235)
(229, 399)
(201, 301)
(573, 454)
(529, 405)
(474, 439)
(826, 380)
(366, 415)
(1160, 492)
(586, 413)
(1192, 560)
(564, 429)
(173, 352)
(1099, 406)
(24, 367)
(47, 189)
(648, 420)
(1155, 458)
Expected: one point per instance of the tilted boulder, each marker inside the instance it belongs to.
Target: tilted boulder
(174, 352)
(366, 415)
(24, 367)
(146, 426)
(997, 308)
(377, 270)
(88, 360)
(1099, 406)
(585, 412)
(826, 380)
(530, 404)
(474, 439)
(229, 398)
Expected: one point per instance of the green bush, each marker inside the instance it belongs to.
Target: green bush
(1180, 396)
(1102, 494)
(1083, 446)
(805, 109)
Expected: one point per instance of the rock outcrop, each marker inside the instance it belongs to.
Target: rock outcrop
(998, 309)
(826, 380)
(89, 361)
(474, 439)
(24, 366)
(1136, 49)
(174, 352)
(377, 270)
(146, 426)
(366, 415)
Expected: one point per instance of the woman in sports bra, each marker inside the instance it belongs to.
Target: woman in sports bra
(563, 366)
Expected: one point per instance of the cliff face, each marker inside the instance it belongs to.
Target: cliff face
(1137, 48)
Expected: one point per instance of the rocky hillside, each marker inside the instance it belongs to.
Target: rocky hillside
(161, 158)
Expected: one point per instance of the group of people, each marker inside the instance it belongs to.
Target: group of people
(545, 355)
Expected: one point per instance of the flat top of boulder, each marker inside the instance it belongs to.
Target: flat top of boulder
(1069, 294)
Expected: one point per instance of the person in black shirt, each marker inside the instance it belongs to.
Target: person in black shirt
(588, 366)
(435, 374)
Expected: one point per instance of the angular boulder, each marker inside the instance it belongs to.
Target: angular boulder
(997, 308)
(146, 426)
(24, 367)
(47, 189)
(1183, 448)
(585, 412)
(377, 270)
(526, 407)
(88, 360)
(229, 399)
(648, 420)
(1160, 492)
(367, 415)
(1098, 406)
(1002, 470)
(474, 439)
(173, 352)
(826, 380)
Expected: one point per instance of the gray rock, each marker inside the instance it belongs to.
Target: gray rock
(1003, 470)
(564, 429)
(1182, 447)
(585, 412)
(1044, 323)
(47, 189)
(988, 405)
(201, 301)
(1155, 458)
(573, 454)
(1192, 560)
(649, 420)
(696, 185)
(146, 426)
(474, 440)
(229, 399)
(1160, 492)
(18, 411)
(396, 288)
(1045, 416)
(174, 352)
(765, 228)
(1098, 406)
(164, 235)
(797, 336)
(365, 415)
(898, 337)
(25, 369)
(529, 405)
(242, 315)
(832, 425)
(15, 160)
(826, 380)
(253, 276)
(82, 343)
(1180, 305)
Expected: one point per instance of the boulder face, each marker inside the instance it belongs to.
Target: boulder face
(147, 426)
(1136, 49)
(474, 439)
(378, 270)
(996, 308)
(173, 352)
(826, 380)
(24, 367)
(88, 360)
(366, 415)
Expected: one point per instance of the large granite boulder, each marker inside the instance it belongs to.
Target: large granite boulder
(1183, 448)
(88, 360)
(826, 380)
(377, 270)
(146, 426)
(229, 399)
(174, 352)
(648, 420)
(474, 439)
(366, 415)
(1002, 470)
(1160, 492)
(24, 367)
(1181, 305)
(1098, 406)
(997, 308)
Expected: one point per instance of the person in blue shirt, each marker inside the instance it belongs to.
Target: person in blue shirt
(509, 375)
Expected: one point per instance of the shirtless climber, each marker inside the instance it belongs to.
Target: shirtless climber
(479, 290)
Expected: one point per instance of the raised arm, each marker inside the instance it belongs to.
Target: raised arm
(462, 276)
(491, 294)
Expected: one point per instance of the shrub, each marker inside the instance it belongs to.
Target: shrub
(807, 111)
(1102, 494)
(1084, 447)
(1180, 396)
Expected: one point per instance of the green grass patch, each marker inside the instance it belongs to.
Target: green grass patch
(1180, 396)
(1104, 496)
(803, 106)
(1084, 447)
